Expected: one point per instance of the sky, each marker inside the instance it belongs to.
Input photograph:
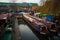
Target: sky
(20, 1)
(39, 2)
(29, 1)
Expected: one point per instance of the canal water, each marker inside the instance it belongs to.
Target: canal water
(8, 34)
(26, 33)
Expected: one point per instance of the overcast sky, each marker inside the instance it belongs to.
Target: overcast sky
(39, 2)
(20, 1)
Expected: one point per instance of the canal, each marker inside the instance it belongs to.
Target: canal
(26, 33)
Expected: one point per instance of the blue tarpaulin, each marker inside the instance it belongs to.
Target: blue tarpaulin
(49, 18)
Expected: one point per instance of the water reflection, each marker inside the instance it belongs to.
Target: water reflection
(26, 32)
